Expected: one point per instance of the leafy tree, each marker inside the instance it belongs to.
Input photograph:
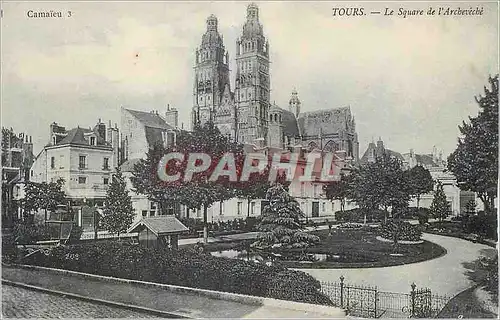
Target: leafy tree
(257, 185)
(338, 190)
(280, 224)
(475, 160)
(420, 182)
(43, 195)
(118, 210)
(145, 179)
(382, 183)
(439, 206)
(199, 192)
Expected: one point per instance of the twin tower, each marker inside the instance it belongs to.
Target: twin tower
(241, 114)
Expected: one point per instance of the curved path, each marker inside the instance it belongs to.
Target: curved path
(445, 275)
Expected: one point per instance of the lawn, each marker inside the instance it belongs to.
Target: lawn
(349, 249)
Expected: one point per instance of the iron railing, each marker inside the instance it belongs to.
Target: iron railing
(369, 302)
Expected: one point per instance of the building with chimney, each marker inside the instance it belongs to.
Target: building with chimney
(17, 158)
(84, 157)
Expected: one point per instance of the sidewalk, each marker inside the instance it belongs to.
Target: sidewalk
(170, 300)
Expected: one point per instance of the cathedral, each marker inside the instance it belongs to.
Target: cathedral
(245, 113)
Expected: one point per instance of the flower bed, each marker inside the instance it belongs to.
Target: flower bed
(184, 268)
(403, 231)
(350, 225)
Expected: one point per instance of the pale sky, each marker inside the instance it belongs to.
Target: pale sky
(410, 81)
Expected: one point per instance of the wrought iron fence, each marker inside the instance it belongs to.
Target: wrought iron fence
(369, 302)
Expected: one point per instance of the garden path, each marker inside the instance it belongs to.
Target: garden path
(445, 275)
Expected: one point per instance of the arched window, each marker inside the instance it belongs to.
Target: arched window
(331, 146)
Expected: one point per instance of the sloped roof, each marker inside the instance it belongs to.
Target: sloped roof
(151, 120)
(77, 136)
(159, 225)
(325, 122)
(290, 126)
(426, 160)
(74, 136)
(379, 150)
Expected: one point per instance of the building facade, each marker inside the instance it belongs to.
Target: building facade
(141, 131)
(84, 158)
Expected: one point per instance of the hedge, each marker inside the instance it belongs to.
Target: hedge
(184, 268)
(357, 215)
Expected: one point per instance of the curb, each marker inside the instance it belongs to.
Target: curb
(163, 314)
(327, 311)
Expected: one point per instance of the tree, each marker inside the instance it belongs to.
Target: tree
(338, 190)
(420, 182)
(257, 185)
(439, 206)
(475, 160)
(198, 192)
(118, 210)
(280, 224)
(43, 195)
(382, 183)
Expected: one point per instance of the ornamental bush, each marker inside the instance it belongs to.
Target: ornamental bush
(400, 230)
(185, 269)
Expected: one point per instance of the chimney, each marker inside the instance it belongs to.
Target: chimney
(101, 129)
(380, 143)
(172, 116)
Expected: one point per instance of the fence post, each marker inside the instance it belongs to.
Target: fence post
(341, 291)
(376, 298)
(413, 286)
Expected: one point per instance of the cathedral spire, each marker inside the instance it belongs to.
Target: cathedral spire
(294, 103)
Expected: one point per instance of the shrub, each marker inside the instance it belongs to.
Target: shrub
(29, 233)
(482, 224)
(403, 231)
(8, 248)
(185, 269)
(422, 214)
(357, 215)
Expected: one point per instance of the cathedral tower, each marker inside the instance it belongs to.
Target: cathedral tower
(211, 77)
(252, 80)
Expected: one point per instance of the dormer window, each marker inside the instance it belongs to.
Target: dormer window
(54, 140)
(92, 141)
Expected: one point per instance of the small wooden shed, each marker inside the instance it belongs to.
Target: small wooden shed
(159, 232)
